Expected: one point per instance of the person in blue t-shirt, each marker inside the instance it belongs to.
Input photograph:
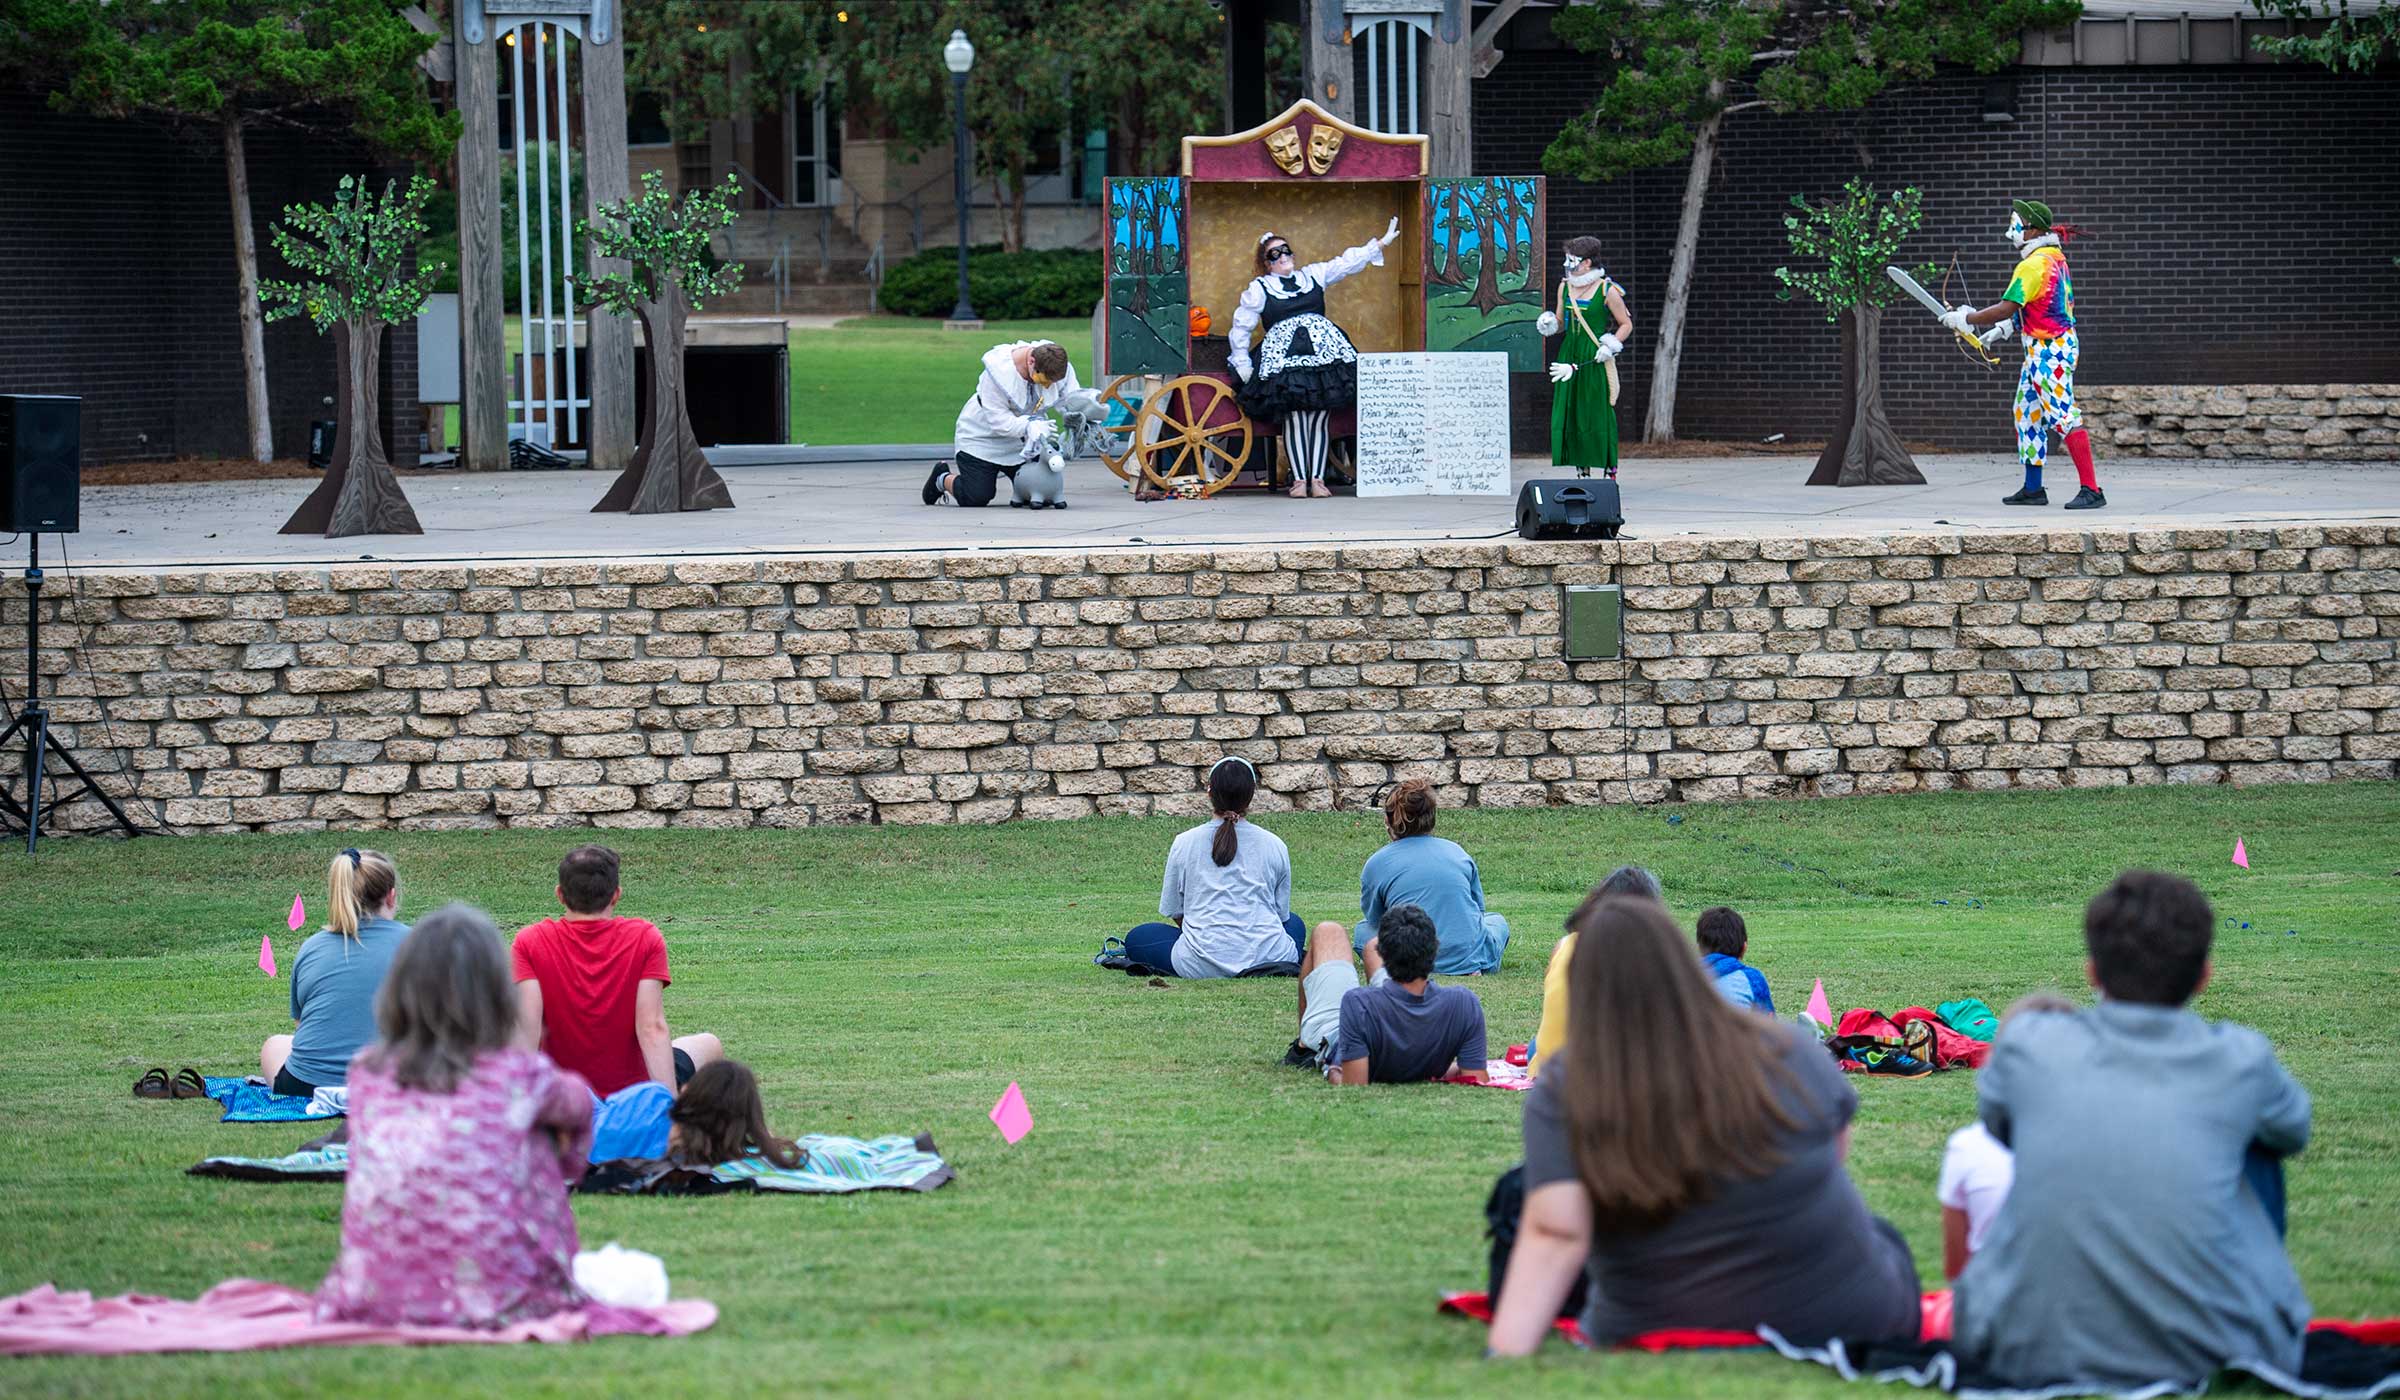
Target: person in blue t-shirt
(336, 976)
(1397, 1029)
(1435, 874)
(1723, 940)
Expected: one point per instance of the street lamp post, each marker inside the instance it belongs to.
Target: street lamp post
(959, 56)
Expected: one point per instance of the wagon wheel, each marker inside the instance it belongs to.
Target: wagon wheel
(1116, 444)
(1192, 430)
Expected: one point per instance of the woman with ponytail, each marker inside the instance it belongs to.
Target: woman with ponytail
(336, 976)
(1436, 875)
(1228, 892)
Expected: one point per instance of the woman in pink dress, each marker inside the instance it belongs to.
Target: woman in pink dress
(461, 1148)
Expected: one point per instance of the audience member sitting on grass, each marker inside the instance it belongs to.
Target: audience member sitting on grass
(1723, 939)
(2134, 1247)
(462, 1147)
(718, 1117)
(1976, 1169)
(1435, 874)
(1690, 1155)
(1551, 1036)
(335, 977)
(1397, 1029)
(1228, 892)
(591, 986)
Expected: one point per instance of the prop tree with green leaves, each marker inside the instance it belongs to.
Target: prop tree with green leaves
(358, 274)
(664, 242)
(1684, 66)
(1854, 237)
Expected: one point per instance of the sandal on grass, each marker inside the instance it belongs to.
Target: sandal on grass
(153, 1085)
(189, 1084)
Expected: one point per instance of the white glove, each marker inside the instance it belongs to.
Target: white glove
(1561, 372)
(1956, 319)
(1546, 324)
(1610, 345)
(1998, 333)
(1242, 373)
(1391, 233)
(1037, 432)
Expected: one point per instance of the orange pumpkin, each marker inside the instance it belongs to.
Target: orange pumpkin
(1200, 320)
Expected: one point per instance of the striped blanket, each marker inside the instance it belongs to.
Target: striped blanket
(834, 1166)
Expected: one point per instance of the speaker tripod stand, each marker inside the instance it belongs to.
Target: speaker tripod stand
(33, 721)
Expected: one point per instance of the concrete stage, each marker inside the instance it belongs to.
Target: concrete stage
(861, 500)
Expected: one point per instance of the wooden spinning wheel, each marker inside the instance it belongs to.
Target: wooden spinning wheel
(1116, 443)
(1191, 432)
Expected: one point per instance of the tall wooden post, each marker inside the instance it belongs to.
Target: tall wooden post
(483, 339)
(1325, 57)
(608, 179)
(1245, 63)
(1449, 93)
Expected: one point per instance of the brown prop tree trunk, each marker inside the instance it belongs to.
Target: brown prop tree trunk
(1864, 450)
(668, 471)
(360, 495)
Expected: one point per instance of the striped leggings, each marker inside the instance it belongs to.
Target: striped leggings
(1304, 440)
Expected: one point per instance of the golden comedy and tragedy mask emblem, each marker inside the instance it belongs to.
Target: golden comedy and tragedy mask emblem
(1324, 143)
(1283, 144)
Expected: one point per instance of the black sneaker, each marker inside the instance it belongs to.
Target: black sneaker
(1300, 1056)
(2087, 499)
(933, 492)
(2030, 496)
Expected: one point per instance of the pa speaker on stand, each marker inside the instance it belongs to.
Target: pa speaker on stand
(41, 485)
(1569, 508)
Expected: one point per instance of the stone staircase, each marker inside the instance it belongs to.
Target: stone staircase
(827, 270)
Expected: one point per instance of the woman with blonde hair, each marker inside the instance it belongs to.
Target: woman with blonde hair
(1688, 1154)
(1438, 876)
(336, 976)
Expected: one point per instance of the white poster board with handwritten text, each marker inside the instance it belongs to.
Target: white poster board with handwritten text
(1433, 424)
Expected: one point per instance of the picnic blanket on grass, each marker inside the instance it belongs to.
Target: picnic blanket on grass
(833, 1166)
(246, 1102)
(1933, 1310)
(250, 1315)
(1503, 1076)
(2340, 1361)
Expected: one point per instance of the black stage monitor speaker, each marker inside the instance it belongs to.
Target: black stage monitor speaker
(1569, 508)
(41, 462)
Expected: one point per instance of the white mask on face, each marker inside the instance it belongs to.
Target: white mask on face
(1575, 265)
(2016, 230)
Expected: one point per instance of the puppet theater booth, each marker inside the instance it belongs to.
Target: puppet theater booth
(737, 373)
(1466, 275)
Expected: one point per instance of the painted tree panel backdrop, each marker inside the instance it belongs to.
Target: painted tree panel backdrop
(1484, 258)
(1149, 276)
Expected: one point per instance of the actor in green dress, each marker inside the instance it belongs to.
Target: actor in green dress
(1583, 406)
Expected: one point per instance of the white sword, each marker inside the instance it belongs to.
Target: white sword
(1926, 299)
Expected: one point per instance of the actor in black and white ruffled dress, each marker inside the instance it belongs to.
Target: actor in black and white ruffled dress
(1305, 367)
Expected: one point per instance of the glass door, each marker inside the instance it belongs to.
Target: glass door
(813, 131)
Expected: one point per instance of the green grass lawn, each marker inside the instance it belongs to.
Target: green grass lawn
(887, 378)
(897, 379)
(1187, 1217)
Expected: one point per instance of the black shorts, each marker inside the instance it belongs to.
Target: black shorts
(295, 1088)
(978, 480)
(684, 1070)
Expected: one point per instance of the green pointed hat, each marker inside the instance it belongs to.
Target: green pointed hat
(2035, 213)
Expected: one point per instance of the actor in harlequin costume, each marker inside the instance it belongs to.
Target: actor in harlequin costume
(1306, 366)
(2042, 299)
(1583, 408)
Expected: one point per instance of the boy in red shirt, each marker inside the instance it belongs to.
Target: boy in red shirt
(590, 986)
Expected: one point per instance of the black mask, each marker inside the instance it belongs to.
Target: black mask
(1280, 250)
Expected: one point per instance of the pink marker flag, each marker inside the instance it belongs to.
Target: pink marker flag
(299, 915)
(2240, 856)
(1818, 1008)
(1011, 1116)
(266, 954)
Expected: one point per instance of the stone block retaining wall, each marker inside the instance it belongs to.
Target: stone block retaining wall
(985, 687)
(2303, 422)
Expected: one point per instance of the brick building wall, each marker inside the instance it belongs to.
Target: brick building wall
(988, 687)
(118, 241)
(2245, 220)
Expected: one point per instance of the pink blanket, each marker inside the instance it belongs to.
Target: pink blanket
(247, 1315)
